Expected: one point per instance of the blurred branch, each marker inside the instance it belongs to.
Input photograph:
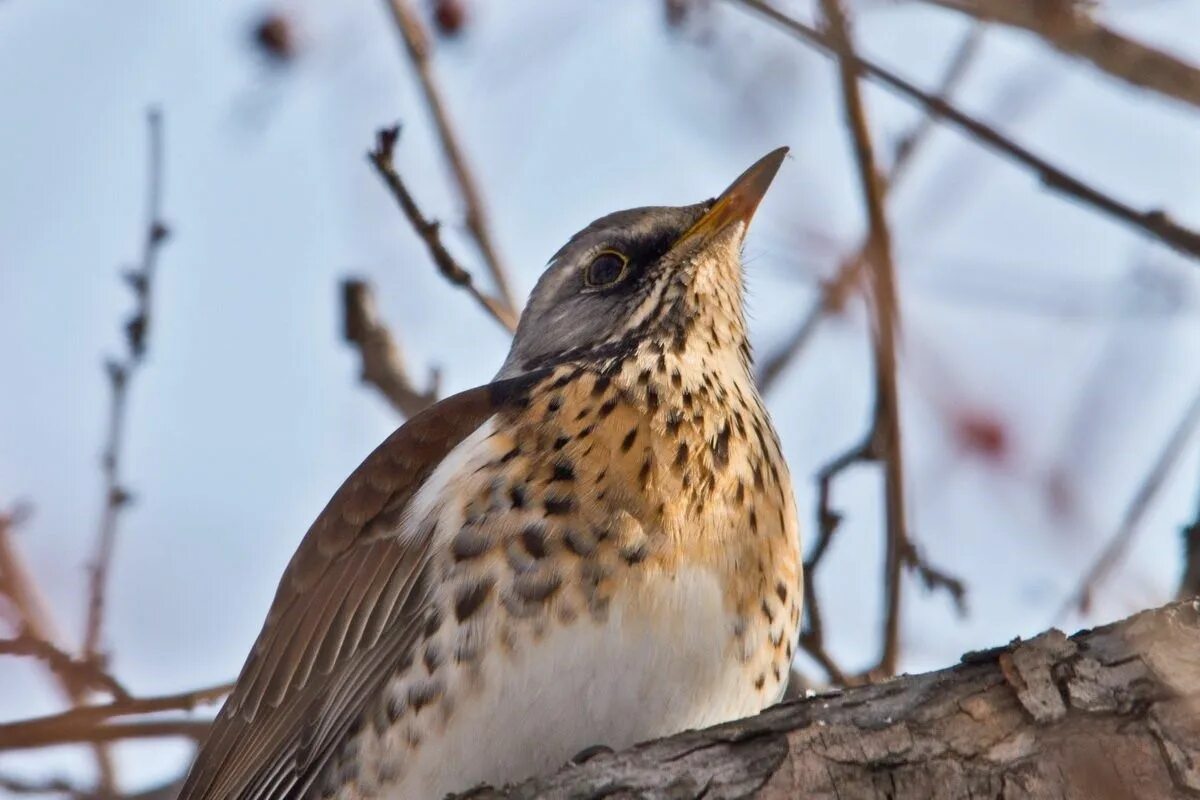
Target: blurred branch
(1190, 585)
(72, 671)
(430, 231)
(33, 619)
(54, 786)
(79, 724)
(104, 733)
(835, 291)
(1070, 29)
(1155, 223)
(883, 441)
(382, 361)
(416, 44)
(120, 372)
(1168, 457)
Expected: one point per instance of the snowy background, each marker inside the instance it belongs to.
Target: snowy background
(1072, 338)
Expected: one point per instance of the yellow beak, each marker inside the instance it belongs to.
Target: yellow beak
(739, 202)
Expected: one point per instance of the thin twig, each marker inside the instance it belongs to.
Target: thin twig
(416, 44)
(120, 372)
(837, 290)
(85, 674)
(1155, 223)
(382, 360)
(1168, 457)
(430, 231)
(66, 725)
(885, 427)
(1067, 27)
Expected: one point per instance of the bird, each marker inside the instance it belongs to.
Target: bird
(597, 548)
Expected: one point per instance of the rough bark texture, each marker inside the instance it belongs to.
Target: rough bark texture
(1108, 713)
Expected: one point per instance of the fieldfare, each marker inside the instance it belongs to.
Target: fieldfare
(598, 548)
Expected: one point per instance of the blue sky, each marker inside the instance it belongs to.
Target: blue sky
(1080, 336)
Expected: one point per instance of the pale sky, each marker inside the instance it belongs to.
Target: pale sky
(1081, 337)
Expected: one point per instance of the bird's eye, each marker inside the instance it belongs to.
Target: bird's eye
(606, 269)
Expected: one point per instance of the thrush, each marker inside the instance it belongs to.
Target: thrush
(598, 548)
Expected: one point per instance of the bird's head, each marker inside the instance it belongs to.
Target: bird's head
(658, 273)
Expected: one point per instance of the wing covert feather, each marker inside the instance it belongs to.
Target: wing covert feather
(348, 608)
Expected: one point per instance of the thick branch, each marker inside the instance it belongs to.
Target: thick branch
(1110, 713)
(1067, 27)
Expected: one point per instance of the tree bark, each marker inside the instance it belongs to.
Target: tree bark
(1107, 714)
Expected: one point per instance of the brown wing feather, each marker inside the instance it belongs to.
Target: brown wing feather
(347, 609)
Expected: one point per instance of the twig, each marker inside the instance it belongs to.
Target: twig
(883, 442)
(66, 725)
(1156, 223)
(33, 617)
(430, 231)
(194, 729)
(1080, 598)
(1067, 27)
(85, 674)
(835, 291)
(382, 361)
(416, 44)
(141, 281)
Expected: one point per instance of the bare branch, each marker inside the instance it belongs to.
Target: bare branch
(884, 438)
(1156, 223)
(141, 281)
(1190, 585)
(416, 44)
(85, 674)
(1070, 29)
(194, 729)
(382, 361)
(1110, 556)
(847, 280)
(430, 231)
(78, 723)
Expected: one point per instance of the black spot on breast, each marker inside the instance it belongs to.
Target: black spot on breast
(766, 610)
(674, 420)
(644, 473)
(563, 471)
(469, 543)
(561, 442)
(423, 693)
(760, 681)
(556, 506)
(470, 597)
(433, 622)
(536, 588)
(753, 521)
(601, 385)
(433, 657)
(644, 377)
(578, 542)
(534, 540)
(510, 455)
(652, 399)
(781, 590)
(629, 439)
(607, 407)
(721, 447)
(681, 454)
(516, 495)
(555, 403)
(687, 399)
(634, 554)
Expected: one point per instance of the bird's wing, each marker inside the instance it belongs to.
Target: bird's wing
(349, 607)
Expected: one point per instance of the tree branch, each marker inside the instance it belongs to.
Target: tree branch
(141, 281)
(382, 361)
(430, 231)
(1155, 223)
(416, 44)
(1109, 713)
(1069, 28)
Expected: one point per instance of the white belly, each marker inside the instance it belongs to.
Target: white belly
(666, 665)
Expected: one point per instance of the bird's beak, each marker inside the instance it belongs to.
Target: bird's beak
(739, 202)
